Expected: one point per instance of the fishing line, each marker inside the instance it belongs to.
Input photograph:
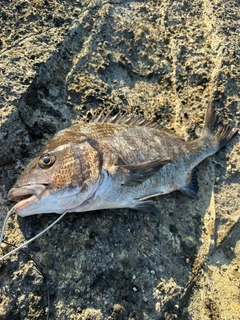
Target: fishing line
(30, 240)
(5, 223)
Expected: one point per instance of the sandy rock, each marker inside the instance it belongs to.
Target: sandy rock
(61, 62)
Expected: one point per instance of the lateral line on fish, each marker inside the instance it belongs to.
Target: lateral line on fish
(30, 240)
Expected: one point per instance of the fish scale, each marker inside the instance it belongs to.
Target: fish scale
(115, 162)
(64, 174)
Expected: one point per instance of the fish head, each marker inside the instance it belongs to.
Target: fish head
(60, 178)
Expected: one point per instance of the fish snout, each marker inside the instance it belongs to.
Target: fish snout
(25, 192)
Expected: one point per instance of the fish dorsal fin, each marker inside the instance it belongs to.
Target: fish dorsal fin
(124, 118)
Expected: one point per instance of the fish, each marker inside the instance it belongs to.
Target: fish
(115, 162)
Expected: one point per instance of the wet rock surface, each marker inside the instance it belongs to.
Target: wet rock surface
(60, 63)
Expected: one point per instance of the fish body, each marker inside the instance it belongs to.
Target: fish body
(114, 162)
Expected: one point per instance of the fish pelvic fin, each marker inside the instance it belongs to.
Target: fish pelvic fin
(146, 206)
(214, 127)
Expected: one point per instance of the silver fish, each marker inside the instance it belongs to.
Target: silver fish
(114, 162)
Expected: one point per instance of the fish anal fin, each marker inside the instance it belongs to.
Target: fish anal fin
(146, 206)
(192, 188)
(135, 174)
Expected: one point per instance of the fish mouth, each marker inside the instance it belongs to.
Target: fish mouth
(25, 194)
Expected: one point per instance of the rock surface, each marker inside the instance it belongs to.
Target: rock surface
(164, 60)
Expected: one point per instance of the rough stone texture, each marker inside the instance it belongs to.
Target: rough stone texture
(163, 59)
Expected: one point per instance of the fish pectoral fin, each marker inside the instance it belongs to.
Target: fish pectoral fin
(192, 188)
(135, 174)
(146, 206)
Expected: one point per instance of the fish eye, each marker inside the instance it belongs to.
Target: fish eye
(46, 161)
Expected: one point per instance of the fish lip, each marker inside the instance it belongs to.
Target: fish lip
(26, 193)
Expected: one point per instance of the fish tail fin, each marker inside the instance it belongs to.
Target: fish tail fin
(213, 127)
